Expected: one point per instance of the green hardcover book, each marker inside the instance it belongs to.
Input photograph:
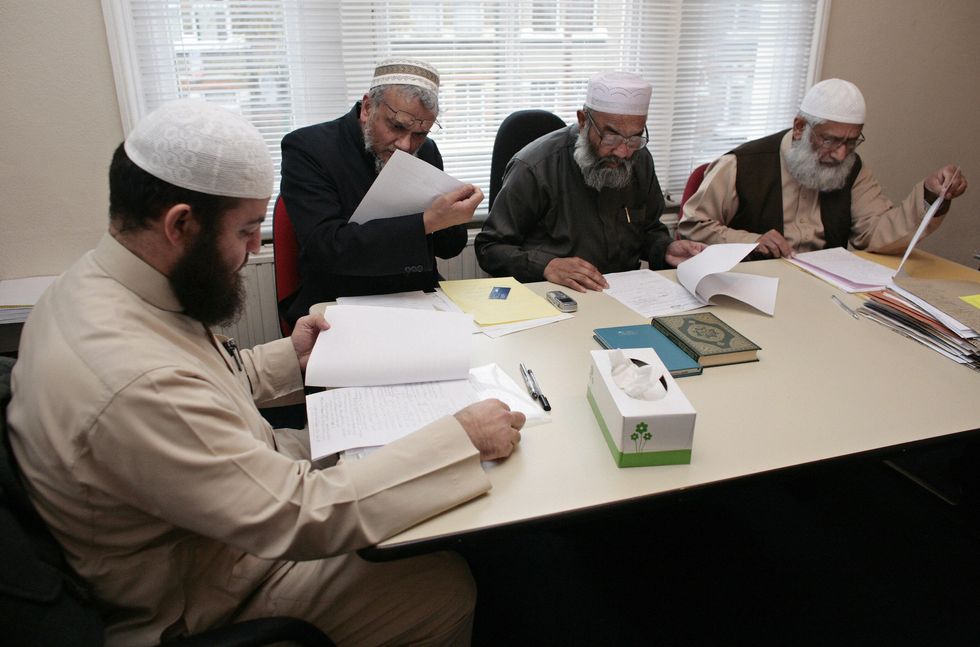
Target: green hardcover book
(707, 339)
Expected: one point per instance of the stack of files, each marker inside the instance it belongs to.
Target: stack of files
(18, 296)
(892, 310)
(844, 270)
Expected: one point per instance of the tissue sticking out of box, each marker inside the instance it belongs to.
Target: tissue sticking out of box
(639, 382)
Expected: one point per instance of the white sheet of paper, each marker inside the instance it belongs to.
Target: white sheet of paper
(706, 275)
(369, 346)
(650, 294)
(405, 185)
(23, 292)
(499, 330)
(933, 208)
(342, 419)
(844, 269)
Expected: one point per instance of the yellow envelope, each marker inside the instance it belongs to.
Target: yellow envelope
(474, 297)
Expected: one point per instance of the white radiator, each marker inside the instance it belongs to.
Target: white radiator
(259, 322)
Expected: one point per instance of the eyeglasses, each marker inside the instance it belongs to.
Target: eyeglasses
(615, 140)
(833, 143)
(407, 121)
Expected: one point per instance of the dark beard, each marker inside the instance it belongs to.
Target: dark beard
(594, 170)
(209, 293)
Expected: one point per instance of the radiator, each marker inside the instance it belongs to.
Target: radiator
(259, 322)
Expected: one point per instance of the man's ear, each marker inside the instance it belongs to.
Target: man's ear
(799, 125)
(179, 225)
(581, 118)
(365, 108)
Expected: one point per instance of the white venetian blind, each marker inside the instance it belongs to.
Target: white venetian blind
(723, 71)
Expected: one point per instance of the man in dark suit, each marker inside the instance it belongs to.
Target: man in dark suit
(327, 169)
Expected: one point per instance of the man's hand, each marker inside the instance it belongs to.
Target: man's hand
(681, 250)
(934, 183)
(453, 208)
(774, 245)
(304, 336)
(575, 273)
(492, 427)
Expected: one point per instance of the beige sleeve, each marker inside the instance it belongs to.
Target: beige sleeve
(709, 210)
(878, 225)
(273, 370)
(177, 449)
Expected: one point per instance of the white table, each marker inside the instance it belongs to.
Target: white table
(826, 386)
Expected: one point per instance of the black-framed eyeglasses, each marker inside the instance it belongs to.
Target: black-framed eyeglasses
(615, 140)
(833, 143)
(408, 121)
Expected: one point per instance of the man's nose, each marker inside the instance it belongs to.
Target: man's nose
(623, 151)
(255, 242)
(840, 152)
(404, 143)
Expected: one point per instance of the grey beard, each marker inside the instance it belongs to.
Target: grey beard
(594, 172)
(803, 163)
(369, 147)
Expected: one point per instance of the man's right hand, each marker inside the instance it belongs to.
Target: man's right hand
(575, 273)
(774, 245)
(453, 208)
(492, 427)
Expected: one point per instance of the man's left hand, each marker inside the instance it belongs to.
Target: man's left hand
(304, 336)
(681, 250)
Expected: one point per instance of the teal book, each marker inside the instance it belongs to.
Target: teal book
(679, 363)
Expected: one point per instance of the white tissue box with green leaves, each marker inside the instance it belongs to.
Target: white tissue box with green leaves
(639, 431)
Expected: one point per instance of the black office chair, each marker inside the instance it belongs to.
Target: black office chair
(44, 602)
(515, 132)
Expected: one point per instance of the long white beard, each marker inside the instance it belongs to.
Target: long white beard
(803, 163)
(594, 171)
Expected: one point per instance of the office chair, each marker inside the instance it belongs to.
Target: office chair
(285, 249)
(44, 602)
(693, 182)
(515, 132)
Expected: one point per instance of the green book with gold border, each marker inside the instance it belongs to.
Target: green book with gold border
(707, 339)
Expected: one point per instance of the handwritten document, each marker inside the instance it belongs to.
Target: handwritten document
(405, 185)
(843, 269)
(650, 294)
(342, 419)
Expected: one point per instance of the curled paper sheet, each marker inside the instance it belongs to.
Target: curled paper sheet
(638, 382)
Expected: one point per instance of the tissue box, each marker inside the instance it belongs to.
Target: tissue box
(640, 432)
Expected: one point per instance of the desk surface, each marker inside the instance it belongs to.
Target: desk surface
(826, 386)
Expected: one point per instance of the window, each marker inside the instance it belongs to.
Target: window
(723, 71)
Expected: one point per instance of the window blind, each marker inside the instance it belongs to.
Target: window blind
(723, 71)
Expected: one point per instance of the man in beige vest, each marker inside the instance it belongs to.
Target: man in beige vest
(138, 434)
(806, 188)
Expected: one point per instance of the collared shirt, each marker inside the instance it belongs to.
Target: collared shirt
(145, 454)
(545, 211)
(877, 224)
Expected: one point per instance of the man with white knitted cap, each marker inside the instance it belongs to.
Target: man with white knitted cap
(806, 188)
(327, 169)
(138, 433)
(583, 200)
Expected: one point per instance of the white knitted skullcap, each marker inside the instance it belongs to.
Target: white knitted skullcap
(406, 71)
(618, 93)
(202, 147)
(835, 100)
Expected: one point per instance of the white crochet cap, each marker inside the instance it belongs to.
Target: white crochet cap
(202, 147)
(406, 71)
(835, 100)
(618, 93)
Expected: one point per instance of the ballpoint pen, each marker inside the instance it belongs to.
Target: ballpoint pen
(533, 388)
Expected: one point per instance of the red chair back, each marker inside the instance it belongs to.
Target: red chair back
(285, 249)
(693, 182)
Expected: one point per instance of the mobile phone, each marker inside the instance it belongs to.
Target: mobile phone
(562, 301)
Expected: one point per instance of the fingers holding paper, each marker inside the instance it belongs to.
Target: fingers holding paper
(774, 245)
(576, 273)
(453, 208)
(493, 428)
(947, 181)
(304, 336)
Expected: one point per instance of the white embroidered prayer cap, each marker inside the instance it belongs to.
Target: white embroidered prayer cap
(406, 71)
(203, 147)
(835, 100)
(618, 93)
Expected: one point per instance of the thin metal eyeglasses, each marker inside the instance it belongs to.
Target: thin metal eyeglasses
(833, 143)
(407, 121)
(615, 140)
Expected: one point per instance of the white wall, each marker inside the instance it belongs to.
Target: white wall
(915, 62)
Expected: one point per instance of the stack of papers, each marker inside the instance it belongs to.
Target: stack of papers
(18, 296)
(400, 369)
(701, 278)
(844, 270)
(501, 305)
